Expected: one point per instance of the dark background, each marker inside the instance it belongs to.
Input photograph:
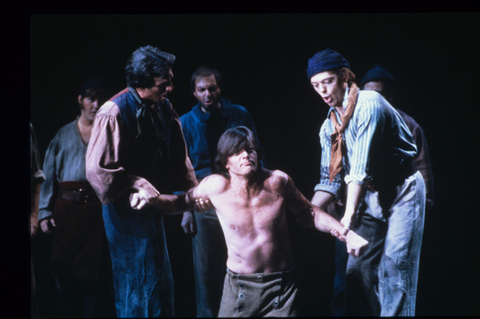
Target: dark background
(263, 57)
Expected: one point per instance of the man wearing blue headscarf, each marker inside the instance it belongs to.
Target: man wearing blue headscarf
(367, 146)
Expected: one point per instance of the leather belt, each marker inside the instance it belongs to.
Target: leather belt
(78, 195)
(395, 179)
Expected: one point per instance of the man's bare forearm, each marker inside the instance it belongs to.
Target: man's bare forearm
(322, 199)
(175, 204)
(327, 223)
(171, 204)
(324, 222)
(355, 193)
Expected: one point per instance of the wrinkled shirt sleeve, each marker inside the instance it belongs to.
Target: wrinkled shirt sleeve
(325, 143)
(104, 168)
(366, 124)
(37, 175)
(45, 206)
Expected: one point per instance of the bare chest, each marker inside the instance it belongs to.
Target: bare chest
(250, 216)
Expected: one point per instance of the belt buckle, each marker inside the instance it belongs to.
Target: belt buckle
(83, 191)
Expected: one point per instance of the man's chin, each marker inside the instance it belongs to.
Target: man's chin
(247, 170)
(252, 170)
(210, 107)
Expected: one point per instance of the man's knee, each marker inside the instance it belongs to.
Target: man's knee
(393, 274)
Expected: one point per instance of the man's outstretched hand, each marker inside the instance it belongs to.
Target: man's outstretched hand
(137, 201)
(354, 242)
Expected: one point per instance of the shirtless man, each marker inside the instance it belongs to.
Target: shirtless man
(252, 205)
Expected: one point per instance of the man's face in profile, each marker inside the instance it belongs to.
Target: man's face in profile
(159, 91)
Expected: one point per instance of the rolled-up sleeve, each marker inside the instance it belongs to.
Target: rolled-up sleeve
(324, 184)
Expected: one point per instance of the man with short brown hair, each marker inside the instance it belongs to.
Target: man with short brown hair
(70, 211)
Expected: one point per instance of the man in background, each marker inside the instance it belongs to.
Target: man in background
(70, 210)
(380, 80)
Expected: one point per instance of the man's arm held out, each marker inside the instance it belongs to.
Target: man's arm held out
(322, 220)
(172, 204)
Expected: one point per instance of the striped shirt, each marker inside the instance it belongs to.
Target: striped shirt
(377, 139)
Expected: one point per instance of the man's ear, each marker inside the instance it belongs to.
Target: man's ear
(140, 91)
(80, 102)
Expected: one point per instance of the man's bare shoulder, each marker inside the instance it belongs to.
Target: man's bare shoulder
(277, 180)
(213, 185)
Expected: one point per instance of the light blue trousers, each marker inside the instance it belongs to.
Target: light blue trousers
(383, 280)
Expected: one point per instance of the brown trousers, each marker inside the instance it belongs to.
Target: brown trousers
(260, 295)
(79, 242)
